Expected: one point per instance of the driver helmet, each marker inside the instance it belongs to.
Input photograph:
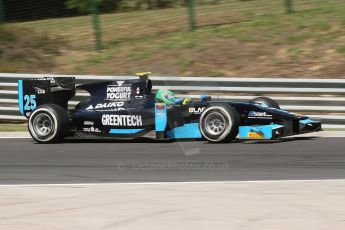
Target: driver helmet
(166, 96)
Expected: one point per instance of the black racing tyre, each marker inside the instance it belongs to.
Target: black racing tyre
(49, 123)
(219, 123)
(266, 101)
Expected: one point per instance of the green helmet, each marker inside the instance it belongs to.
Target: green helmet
(165, 96)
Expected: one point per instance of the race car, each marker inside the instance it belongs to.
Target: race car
(128, 109)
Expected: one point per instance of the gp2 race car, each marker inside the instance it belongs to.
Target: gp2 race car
(127, 109)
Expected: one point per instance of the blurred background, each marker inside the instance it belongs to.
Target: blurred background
(256, 38)
(202, 38)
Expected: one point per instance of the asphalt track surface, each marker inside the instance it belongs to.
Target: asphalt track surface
(88, 161)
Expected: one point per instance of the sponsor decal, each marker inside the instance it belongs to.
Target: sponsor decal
(160, 117)
(39, 90)
(106, 110)
(257, 135)
(120, 93)
(89, 108)
(137, 94)
(160, 106)
(121, 120)
(255, 114)
(109, 105)
(51, 79)
(91, 130)
(30, 102)
(196, 110)
(120, 83)
(88, 123)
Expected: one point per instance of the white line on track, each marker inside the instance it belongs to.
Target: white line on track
(169, 183)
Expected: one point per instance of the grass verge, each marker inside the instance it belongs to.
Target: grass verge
(13, 127)
(26, 50)
(236, 38)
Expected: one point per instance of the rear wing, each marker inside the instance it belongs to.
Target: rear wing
(119, 90)
(53, 90)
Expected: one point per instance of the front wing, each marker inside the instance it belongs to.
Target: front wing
(274, 131)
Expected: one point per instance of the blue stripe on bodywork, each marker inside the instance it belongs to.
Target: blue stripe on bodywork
(20, 97)
(262, 131)
(161, 118)
(125, 131)
(187, 131)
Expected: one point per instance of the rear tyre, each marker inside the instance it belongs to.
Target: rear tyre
(49, 123)
(219, 123)
(266, 102)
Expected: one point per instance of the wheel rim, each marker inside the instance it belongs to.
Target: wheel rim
(215, 123)
(43, 125)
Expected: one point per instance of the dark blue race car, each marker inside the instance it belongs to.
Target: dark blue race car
(128, 109)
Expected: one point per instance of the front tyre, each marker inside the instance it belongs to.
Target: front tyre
(266, 102)
(49, 123)
(219, 123)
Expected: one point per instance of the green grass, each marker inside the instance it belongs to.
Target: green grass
(22, 49)
(252, 38)
(13, 127)
(341, 50)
